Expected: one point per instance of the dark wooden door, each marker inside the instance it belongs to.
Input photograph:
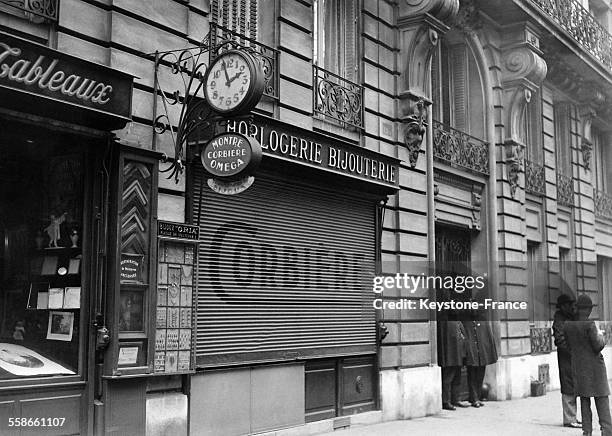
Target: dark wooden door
(453, 257)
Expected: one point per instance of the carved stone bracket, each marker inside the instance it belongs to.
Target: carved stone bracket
(420, 24)
(443, 10)
(467, 19)
(514, 164)
(476, 207)
(523, 71)
(415, 128)
(587, 114)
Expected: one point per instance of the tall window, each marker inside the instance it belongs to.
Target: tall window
(538, 287)
(604, 281)
(42, 225)
(458, 99)
(567, 271)
(532, 132)
(601, 156)
(563, 138)
(335, 37)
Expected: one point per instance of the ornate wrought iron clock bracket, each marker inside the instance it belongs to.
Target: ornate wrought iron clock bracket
(184, 111)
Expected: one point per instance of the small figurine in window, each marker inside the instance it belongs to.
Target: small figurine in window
(53, 229)
(19, 331)
(74, 237)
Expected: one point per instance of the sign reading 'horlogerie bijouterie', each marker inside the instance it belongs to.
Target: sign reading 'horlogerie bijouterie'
(316, 150)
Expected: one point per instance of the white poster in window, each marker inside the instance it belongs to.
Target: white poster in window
(43, 300)
(21, 361)
(127, 356)
(72, 298)
(60, 326)
(56, 298)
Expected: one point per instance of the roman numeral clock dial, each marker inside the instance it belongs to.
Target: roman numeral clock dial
(234, 83)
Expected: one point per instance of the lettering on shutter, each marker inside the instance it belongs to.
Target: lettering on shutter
(285, 272)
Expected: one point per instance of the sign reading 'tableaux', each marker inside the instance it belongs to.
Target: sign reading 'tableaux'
(40, 71)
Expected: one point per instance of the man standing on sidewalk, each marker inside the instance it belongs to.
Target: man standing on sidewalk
(585, 343)
(566, 310)
(481, 348)
(451, 354)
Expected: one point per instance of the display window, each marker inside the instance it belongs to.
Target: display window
(41, 255)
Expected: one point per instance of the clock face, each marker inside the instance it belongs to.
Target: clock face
(228, 82)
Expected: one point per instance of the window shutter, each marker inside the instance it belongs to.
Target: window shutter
(435, 85)
(445, 85)
(562, 137)
(459, 79)
(237, 15)
(285, 272)
(350, 40)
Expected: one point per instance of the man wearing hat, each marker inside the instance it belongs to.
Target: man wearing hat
(566, 310)
(585, 342)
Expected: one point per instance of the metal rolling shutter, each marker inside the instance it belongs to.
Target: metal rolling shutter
(284, 273)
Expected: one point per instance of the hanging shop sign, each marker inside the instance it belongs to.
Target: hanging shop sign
(37, 78)
(231, 158)
(305, 147)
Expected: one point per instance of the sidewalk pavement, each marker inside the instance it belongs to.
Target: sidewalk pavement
(534, 416)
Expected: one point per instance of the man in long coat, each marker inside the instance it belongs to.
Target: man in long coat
(585, 343)
(566, 310)
(481, 349)
(451, 356)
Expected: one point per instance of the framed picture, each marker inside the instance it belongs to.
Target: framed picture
(130, 354)
(60, 326)
(131, 310)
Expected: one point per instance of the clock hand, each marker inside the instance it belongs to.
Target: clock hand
(227, 78)
(238, 74)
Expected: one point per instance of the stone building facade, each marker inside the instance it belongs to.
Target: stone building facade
(492, 119)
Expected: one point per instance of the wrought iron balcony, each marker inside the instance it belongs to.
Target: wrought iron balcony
(268, 56)
(573, 18)
(337, 98)
(36, 11)
(565, 190)
(458, 149)
(603, 204)
(535, 182)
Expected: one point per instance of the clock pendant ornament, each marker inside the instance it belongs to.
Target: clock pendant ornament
(234, 83)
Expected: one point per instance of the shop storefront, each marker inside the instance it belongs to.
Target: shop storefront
(56, 112)
(286, 330)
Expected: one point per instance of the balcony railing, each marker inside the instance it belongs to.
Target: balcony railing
(35, 10)
(572, 17)
(268, 56)
(535, 182)
(565, 190)
(337, 98)
(458, 149)
(603, 204)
